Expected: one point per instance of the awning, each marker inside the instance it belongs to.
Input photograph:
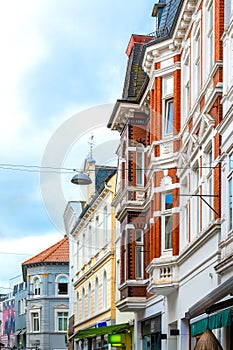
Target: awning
(222, 319)
(94, 332)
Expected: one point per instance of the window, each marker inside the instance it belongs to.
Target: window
(78, 255)
(36, 286)
(210, 35)
(168, 105)
(230, 184)
(35, 321)
(90, 241)
(62, 285)
(167, 221)
(83, 249)
(169, 110)
(89, 300)
(77, 307)
(186, 88)
(104, 290)
(139, 253)
(62, 321)
(96, 234)
(105, 225)
(195, 201)
(139, 167)
(96, 295)
(197, 65)
(83, 303)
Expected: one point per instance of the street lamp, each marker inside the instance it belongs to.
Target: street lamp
(81, 179)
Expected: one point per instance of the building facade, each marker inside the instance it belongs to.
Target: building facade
(47, 302)
(175, 172)
(94, 266)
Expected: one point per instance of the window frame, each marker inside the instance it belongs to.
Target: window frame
(167, 100)
(139, 255)
(230, 191)
(139, 166)
(36, 286)
(57, 312)
(59, 277)
(35, 316)
(104, 290)
(166, 221)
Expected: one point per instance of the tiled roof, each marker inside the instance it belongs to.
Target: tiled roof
(59, 252)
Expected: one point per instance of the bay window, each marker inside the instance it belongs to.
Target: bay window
(166, 216)
(168, 105)
(139, 253)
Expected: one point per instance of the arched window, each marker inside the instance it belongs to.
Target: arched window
(36, 286)
(77, 306)
(83, 303)
(89, 300)
(104, 290)
(62, 285)
(96, 295)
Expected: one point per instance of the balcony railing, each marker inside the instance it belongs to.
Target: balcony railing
(163, 275)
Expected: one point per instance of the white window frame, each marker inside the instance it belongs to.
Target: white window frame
(230, 191)
(33, 318)
(89, 304)
(105, 225)
(96, 295)
(185, 87)
(57, 311)
(83, 303)
(77, 306)
(59, 277)
(90, 243)
(97, 233)
(139, 255)
(83, 249)
(166, 214)
(105, 295)
(139, 166)
(167, 100)
(36, 286)
(78, 255)
(196, 81)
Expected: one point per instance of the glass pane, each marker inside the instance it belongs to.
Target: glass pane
(139, 261)
(168, 201)
(139, 170)
(230, 204)
(168, 232)
(138, 235)
(169, 116)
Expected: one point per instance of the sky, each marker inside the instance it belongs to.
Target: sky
(62, 68)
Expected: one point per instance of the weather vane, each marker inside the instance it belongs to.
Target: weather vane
(91, 143)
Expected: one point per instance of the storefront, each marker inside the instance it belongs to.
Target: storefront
(151, 333)
(118, 336)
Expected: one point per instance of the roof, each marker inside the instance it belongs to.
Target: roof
(59, 252)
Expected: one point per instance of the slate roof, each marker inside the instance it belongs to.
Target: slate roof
(59, 252)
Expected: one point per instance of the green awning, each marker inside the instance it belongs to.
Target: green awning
(222, 319)
(94, 332)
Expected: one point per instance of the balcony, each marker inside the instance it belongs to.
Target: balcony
(132, 197)
(163, 275)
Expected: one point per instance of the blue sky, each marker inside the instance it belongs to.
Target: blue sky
(59, 58)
